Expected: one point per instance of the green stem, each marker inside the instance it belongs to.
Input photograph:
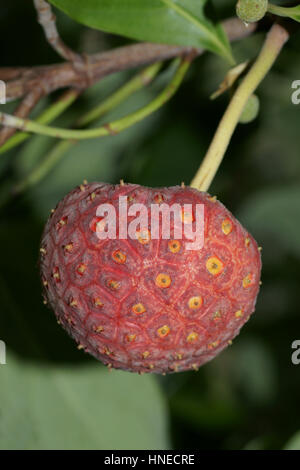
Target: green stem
(274, 42)
(107, 129)
(44, 167)
(51, 113)
(285, 12)
(140, 80)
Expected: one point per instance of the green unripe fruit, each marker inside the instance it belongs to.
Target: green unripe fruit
(250, 11)
(250, 111)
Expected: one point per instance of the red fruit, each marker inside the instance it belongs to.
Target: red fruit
(148, 305)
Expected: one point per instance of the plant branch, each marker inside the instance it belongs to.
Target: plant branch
(275, 40)
(47, 116)
(46, 18)
(107, 129)
(22, 111)
(143, 78)
(97, 66)
(140, 80)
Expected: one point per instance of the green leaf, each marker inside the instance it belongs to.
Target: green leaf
(293, 443)
(82, 407)
(181, 22)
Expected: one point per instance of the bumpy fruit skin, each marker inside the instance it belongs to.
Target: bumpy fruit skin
(250, 11)
(146, 305)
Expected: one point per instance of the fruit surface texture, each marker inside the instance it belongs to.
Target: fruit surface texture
(147, 304)
(250, 11)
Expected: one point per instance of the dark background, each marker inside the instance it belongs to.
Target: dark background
(53, 396)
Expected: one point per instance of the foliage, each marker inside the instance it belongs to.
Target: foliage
(248, 396)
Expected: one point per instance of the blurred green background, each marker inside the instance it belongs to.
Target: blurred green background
(53, 396)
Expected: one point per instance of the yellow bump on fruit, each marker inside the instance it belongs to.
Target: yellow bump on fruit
(63, 221)
(73, 302)
(131, 198)
(227, 226)
(217, 316)
(85, 182)
(213, 345)
(52, 211)
(182, 185)
(212, 198)
(43, 251)
(248, 281)
(247, 241)
(113, 284)
(81, 268)
(93, 195)
(230, 342)
(98, 329)
(56, 274)
(122, 183)
(45, 283)
(138, 309)
(151, 366)
(158, 198)
(195, 302)
(80, 346)
(109, 367)
(192, 337)
(97, 302)
(82, 187)
(68, 248)
(130, 338)
(45, 302)
(260, 283)
(214, 265)
(260, 248)
(178, 356)
(195, 367)
(119, 257)
(145, 354)
(163, 280)
(239, 314)
(174, 246)
(187, 216)
(143, 236)
(174, 367)
(106, 351)
(163, 331)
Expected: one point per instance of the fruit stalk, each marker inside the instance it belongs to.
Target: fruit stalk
(275, 40)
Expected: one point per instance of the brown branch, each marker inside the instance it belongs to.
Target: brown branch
(82, 71)
(97, 66)
(47, 19)
(23, 110)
